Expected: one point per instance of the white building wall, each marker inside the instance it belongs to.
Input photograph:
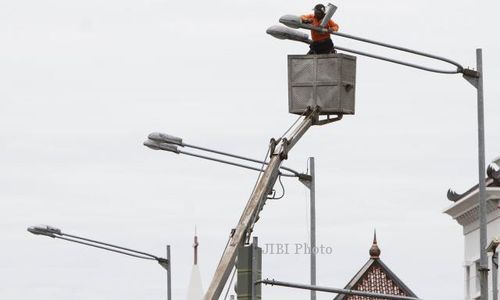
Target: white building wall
(471, 254)
(466, 212)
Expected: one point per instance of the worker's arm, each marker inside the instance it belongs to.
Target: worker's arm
(333, 26)
(307, 19)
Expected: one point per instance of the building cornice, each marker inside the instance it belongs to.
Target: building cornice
(466, 210)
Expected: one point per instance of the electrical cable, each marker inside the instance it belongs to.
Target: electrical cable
(282, 188)
(260, 205)
(307, 196)
(230, 283)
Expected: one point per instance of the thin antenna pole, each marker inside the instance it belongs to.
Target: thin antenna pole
(195, 246)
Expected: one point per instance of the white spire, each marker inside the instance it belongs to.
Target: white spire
(195, 289)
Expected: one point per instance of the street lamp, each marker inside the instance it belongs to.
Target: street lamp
(49, 231)
(494, 169)
(492, 247)
(285, 33)
(472, 76)
(166, 142)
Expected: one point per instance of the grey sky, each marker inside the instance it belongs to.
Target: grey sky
(84, 82)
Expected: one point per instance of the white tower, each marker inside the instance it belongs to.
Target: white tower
(465, 211)
(195, 289)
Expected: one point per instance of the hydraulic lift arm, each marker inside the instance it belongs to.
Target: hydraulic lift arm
(256, 201)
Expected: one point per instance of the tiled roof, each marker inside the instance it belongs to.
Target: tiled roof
(375, 277)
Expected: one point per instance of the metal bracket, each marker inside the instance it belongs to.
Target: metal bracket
(471, 80)
(328, 120)
(471, 76)
(284, 149)
(272, 145)
(305, 179)
(483, 268)
(248, 235)
(164, 263)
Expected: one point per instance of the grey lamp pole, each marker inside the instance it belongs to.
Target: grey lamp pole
(169, 143)
(169, 275)
(474, 77)
(56, 233)
(312, 190)
(482, 184)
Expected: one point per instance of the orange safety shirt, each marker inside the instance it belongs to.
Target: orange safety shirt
(320, 36)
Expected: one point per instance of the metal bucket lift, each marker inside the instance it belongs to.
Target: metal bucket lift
(326, 81)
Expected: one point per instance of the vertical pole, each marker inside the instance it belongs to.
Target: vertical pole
(254, 267)
(482, 186)
(169, 275)
(494, 273)
(312, 190)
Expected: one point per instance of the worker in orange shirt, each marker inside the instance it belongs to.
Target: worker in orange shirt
(322, 43)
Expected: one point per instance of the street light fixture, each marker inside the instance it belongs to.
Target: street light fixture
(291, 21)
(166, 142)
(492, 247)
(494, 169)
(160, 141)
(53, 232)
(285, 33)
(161, 146)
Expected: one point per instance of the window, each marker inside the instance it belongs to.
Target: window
(478, 277)
(467, 282)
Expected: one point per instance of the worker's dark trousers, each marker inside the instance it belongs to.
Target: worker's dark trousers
(321, 47)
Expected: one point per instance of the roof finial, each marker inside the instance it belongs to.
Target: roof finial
(375, 250)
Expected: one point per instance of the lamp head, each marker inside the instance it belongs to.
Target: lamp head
(493, 245)
(45, 230)
(493, 170)
(285, 33)
(165, 138)
(152, 144)
(291, 21)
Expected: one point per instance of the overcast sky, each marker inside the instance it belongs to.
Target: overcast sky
(84, 82)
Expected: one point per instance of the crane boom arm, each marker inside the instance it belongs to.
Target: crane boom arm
(259, 195)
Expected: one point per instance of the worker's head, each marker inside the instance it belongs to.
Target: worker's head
(319, 11)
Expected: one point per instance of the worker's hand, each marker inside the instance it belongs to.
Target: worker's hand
(307, 21)
(325, 30)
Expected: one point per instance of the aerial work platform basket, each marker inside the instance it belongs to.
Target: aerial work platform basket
(326, 81)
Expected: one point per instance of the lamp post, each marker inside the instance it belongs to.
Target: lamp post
(169, 143)
(56, 233)
(492, 247)
(475, 77)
